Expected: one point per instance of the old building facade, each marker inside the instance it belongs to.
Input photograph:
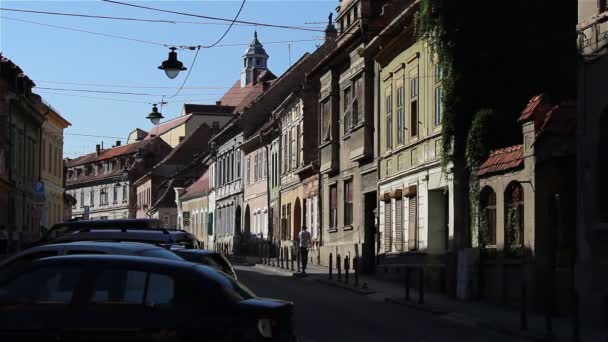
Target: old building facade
(592, 164)
(21, 193)
(51, 166)
(346, 140)
(415, 194)
(102, 182)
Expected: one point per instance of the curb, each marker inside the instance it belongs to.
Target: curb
(345, 287)
(468, 320)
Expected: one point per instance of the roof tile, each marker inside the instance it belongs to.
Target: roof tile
(501, 160)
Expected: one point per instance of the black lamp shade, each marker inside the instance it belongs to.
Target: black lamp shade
(155, 116)
(172, 66)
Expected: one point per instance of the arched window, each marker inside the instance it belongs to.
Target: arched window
(603, 166)
(514, 216)
(487, 217)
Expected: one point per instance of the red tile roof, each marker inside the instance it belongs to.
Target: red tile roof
(167, 126)
(199, 187)
(109, 153)
(536, 109)
(240, 97)
(501, 160)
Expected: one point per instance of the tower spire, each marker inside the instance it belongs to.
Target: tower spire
(255, 61)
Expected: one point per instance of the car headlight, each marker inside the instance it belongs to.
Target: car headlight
(265, 327)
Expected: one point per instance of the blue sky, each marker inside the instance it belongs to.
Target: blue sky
(59, 58)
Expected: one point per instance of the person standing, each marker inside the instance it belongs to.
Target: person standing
(304, 238)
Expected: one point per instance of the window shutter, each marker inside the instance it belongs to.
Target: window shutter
(399, 224)
(388, 227)
(413, 224)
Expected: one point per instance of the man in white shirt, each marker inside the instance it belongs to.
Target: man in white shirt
(304, 238)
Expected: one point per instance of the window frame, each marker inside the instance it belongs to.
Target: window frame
(333, 206)
(414, 107)
(348, 202)
(388, 109)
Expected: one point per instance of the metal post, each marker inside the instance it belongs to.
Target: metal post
(339, 267)
(346, 268)
(407, 283)
(523, 312)
(330, 266)
(282, 252)
(421, 286)
(356, 269)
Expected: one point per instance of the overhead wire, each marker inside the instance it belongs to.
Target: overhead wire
(214, 18)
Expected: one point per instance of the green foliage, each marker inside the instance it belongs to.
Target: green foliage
(512, 233)
(480, 137)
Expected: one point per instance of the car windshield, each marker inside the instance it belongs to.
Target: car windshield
(233, 289)
(159, 253)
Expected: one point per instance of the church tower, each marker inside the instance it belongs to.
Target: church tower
(255, 61)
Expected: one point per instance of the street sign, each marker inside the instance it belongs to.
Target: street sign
(186, 217)
(39, 188)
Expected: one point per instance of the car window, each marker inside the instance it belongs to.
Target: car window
(119, 287)
(33, 256)
(160, 253)
(161, 290)
(230, 288)
(222, 262)
(51, 285)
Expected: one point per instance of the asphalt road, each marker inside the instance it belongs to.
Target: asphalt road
(324, 313)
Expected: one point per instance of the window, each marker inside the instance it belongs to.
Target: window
(255, 167)
(92, 198)
(119, 287)
(124, 194)
(333, 206)
(346, 110)
(348, 202)
(388, 104)
(82, 198)
(438, 95)
(291, 149)
(115, 195)
(161, 290)
(357, 99)
(487, 219)
(414, 107)
(103, 197)
(248, 173)
(514, 217)
(264, 161)
(400, 114)
(49, 285)
(298, 146)
(238, 163)
(413, 223)
(325, 121)
(603, 5)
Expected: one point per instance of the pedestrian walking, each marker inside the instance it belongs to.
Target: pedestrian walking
(304, 238)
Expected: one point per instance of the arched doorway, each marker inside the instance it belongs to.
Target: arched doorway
(297, 219)
(247, 225)
(237, 220)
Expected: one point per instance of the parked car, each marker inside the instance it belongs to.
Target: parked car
(129, 298)
(90, 247)
(208, 258)
(134, 230)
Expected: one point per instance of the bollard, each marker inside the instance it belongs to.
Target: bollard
(338, 267)
(330, 267)
(421, 286)
(523, 309)
(346, 268)
(282, 252)
(407, 283)
(356, 270)
(292, 258)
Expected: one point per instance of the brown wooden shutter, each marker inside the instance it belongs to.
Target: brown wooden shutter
(413, 224)
(399, 224)
(388, 227)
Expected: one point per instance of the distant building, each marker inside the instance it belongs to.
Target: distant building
(102, 182)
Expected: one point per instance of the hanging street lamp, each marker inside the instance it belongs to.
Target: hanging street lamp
(172, 66)
(155, 116)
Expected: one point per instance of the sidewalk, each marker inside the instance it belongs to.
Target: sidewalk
(483, 315)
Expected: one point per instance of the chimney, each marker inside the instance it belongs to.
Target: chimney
(97, 150)
(218, 103)
(117, 143)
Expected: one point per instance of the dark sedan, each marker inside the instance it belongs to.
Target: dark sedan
(128, 298)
